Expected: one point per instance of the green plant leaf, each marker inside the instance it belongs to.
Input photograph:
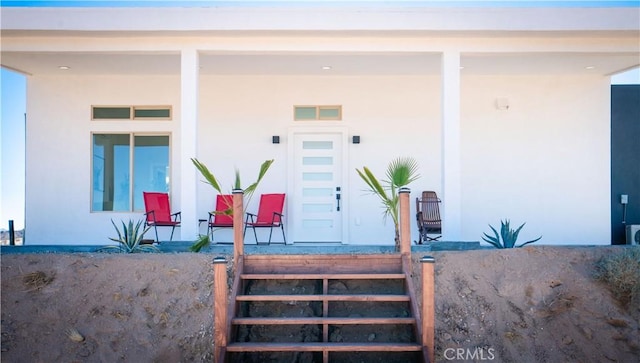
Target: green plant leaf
(117, 230)
(263, 170)
(374, 185)
(508, 235)
(516, 233)
(402, 171)
(237, 184)
(130, 237)
(533, 240)
(495, 240)
(208, 176)
(248, 192)
(202, 242)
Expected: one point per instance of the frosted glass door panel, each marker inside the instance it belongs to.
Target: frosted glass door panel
(317, 145)
(317, 175)
(317, 160)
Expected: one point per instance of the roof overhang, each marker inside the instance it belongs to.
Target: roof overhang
(353, 40)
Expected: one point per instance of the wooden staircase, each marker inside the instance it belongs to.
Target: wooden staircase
(321, 308)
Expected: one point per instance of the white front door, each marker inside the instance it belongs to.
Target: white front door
(317, 187)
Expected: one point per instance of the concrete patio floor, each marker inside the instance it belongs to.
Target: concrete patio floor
(183, 246)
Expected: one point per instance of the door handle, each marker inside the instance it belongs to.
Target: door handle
(338, 199)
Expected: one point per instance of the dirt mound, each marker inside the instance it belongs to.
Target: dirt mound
(535, 304)
(532, 304)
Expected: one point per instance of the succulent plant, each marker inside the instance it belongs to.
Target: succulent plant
(507, 237)
(130, 238)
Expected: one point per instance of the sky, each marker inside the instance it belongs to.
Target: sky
(12, 151)
(13, 90)
(189, 3)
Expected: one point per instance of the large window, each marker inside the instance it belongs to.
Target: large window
(125, 165)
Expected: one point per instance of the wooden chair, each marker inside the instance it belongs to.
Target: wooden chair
(222, 217)
(428, 217)
(158, 212)
(269, 216)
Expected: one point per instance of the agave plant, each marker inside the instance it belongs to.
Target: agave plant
(130, 238)
(507, 237)
(400, 173)
(203, 240)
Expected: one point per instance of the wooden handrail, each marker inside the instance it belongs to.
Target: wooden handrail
(225, 308)
(220, 304)
(428, 305)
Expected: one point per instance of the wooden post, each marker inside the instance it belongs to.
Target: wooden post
(428, 306)
(238, 224)
(405, 220)
(220, 304)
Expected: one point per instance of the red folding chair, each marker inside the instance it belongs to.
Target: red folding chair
(222, 217)
(158, 212)
(269, 216)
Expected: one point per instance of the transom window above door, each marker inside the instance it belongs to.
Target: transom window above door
(317, 113)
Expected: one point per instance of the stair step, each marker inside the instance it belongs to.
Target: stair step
(320, 347)
(320, 276)
(320, 320)
(318, 264)
(361, 297)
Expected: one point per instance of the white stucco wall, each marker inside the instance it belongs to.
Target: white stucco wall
(394, 116)
(545, 161)
(58, 161)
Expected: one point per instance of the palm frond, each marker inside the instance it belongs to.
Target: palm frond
(202, 242)
(263, 170)
(237, 184)
(402, 171)
(208, 176)
(374, 185)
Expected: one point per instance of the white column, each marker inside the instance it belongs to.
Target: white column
(451, 169)
(188, 143)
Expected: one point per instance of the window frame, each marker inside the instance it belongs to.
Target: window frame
(318, 108)
(132, 135)
(132, 112)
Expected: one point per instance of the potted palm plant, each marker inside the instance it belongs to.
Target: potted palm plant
(400, 173)
(210, 179)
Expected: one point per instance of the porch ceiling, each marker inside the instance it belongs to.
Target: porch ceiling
(341, 63)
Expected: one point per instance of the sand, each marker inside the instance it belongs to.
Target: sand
(534, 304)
